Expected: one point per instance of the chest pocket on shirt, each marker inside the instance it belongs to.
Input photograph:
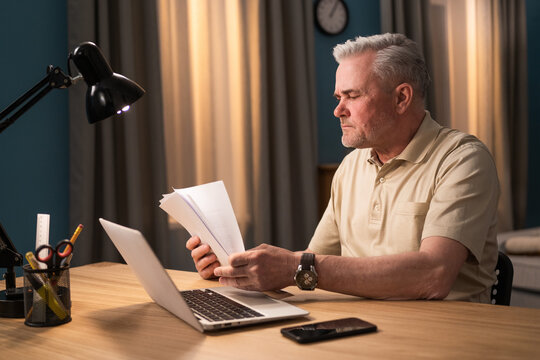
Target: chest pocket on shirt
(407, 224)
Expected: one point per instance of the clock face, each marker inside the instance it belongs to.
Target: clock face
(332, 16)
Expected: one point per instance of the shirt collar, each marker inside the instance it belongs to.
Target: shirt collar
(374, 159)
(422, 141)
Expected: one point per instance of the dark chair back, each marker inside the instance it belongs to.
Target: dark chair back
(501, 291)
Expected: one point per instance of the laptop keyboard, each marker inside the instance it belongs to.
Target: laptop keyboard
(213, 306)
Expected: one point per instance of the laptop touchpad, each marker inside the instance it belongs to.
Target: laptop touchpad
(251, 298)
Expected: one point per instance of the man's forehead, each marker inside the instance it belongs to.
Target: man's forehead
(353, 73)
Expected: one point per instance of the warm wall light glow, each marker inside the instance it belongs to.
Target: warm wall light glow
(211, 95)
(477, 103)
(472, 65)
(204, 83)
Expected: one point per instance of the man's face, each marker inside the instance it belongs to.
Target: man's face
(365, 108)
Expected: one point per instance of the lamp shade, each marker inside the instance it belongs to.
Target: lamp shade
(108, 93)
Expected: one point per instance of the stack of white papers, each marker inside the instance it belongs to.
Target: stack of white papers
(206, 211)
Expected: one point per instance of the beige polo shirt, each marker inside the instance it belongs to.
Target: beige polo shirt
(444, 183)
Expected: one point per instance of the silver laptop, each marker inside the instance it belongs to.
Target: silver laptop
(230, 307)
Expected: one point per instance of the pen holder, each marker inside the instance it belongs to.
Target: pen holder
(47, 300)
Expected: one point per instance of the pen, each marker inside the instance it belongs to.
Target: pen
(44, 289)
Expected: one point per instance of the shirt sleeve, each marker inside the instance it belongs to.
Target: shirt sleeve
(464, 204)
(325, 240)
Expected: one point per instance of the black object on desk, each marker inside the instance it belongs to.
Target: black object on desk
(324, 330)
(11, 299)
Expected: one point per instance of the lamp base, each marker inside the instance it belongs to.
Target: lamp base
(12, 306)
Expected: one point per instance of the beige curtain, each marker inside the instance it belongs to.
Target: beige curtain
(485, 102)
(478, 66)
(485, 77)
(238, 99)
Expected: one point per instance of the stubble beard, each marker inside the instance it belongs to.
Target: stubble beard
(357, 141)
(366, 139)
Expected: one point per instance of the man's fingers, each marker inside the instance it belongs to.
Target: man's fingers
(206, 265)
(193, 242)
(227, 271)
(239, 259)
(206, 261)
(199, 252)
(238, 282)
(232, 271)
(208, 272)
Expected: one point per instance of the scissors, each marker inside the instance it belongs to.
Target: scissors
(54, 257)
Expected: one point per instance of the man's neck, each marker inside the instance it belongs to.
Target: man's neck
(405, 135)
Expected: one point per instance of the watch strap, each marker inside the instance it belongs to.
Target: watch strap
(307, 261)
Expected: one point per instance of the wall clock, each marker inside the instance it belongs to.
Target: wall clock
(331, 16)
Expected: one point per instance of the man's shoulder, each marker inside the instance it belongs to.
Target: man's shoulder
(461, 152)
(452, 141)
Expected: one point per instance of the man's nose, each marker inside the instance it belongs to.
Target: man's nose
(340, 110)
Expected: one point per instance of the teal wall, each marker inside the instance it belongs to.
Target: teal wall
(364, 19)
(533, 59)
(34, 150)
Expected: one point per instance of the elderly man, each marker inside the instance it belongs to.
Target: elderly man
(412, 213)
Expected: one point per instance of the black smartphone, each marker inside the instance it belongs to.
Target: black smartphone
(328, 330)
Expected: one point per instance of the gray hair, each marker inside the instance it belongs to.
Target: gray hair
(398, 59)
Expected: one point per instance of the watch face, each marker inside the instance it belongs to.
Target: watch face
(332, 16)
(306, 279)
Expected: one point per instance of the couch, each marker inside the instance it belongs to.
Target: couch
(526, 285)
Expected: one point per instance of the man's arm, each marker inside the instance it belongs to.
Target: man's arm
(426, 274)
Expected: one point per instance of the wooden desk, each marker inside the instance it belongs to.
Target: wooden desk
(113, 318)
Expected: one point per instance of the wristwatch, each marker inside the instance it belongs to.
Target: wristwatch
(306, 277)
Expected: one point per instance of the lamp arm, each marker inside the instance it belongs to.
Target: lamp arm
(24, 108)
(24, 97)
(55, 79)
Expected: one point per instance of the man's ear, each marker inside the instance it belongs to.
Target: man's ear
(404, 95)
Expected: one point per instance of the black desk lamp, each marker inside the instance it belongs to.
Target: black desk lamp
(108, 94)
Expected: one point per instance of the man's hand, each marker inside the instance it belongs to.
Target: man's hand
(205, 260)
(262, 268)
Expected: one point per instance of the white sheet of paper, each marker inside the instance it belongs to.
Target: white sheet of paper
(206, 211)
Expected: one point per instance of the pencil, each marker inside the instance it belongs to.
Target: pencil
(72, 240)
(74, 237)
(76, 233)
